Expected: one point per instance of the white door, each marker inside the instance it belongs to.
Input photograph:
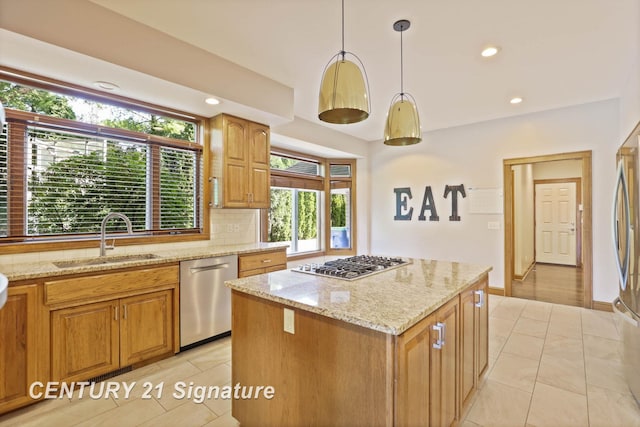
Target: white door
(556, 223)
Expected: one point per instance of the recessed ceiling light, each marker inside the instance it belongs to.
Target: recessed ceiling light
(490, 51)
(106, 85)
(212, 101)
(516, 100)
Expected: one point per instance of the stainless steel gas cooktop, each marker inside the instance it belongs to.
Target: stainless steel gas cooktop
(355, 267)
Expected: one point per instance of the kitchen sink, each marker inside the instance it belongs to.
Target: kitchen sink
(104, 260)
(4, 286)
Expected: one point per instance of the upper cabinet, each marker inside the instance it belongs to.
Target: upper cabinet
(240, 152)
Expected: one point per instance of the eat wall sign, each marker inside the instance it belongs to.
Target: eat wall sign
(404, 212)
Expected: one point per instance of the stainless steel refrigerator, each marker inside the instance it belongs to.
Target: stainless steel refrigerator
(626, 243)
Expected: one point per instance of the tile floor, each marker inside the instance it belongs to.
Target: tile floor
(550, 365)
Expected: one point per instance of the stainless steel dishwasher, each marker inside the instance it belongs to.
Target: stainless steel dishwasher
(205, 302)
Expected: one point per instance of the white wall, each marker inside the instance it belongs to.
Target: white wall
(558, 169)
(472, 155)
(524, 227)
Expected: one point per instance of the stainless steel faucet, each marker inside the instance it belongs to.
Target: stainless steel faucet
(103, 230)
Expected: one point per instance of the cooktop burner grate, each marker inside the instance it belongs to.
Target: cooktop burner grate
(355, 267)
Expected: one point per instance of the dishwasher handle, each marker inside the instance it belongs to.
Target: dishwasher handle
(209, 267)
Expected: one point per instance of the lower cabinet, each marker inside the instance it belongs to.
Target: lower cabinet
(19, 350)
(474, 339)
(93, 339)
(427, 376)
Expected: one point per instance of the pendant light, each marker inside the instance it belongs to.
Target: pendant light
(403, 122)
(344, 90)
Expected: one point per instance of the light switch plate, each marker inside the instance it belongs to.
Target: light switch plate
(289, 323)
(493, 225)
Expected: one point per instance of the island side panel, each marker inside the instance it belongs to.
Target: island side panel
(328, 373)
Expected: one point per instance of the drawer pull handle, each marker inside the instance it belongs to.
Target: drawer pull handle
(480, 303)
(440, 327)
(266, 260)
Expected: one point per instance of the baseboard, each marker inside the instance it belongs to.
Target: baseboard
(496, 291)
(602, 306)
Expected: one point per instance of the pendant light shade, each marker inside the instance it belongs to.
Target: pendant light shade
(344, 89)
(403, 120)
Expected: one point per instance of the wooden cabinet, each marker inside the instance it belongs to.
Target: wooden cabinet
(240, 157)
(427, 376)
(105, 322)
(474, 339)
(93, 339)
(19, 350)
(262, 262)
(85, 341)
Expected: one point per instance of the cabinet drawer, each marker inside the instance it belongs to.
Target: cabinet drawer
(109, 285)
(261, 260)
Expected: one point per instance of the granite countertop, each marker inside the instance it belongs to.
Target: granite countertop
(391, 301)
(25, 271)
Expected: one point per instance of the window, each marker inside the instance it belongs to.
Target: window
(302, 197)
(67, 161)
(341, 206)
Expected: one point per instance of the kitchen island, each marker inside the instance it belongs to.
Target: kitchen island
(407, 346)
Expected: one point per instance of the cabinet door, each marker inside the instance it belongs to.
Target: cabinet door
(468, 344)
(146, 326)
(84, 341)
(259, 169)
(482, 316)
(18, 346)
(444, 366)
(413, 375)
(236, 161)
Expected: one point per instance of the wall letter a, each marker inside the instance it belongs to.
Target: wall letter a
(428, 204)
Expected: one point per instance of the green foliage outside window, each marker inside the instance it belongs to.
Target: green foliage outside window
(338, 210)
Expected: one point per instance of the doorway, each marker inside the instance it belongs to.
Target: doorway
(533, 270)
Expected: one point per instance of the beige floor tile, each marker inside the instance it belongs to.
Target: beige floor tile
(189, 414)
(132, 413)
(524, 346)
(599, 324)
(507, 312)
(215, 355)
(537, 310)
(219, 406)
(224, 421)
(563, 373)
(564, 347)
(496, 344)
(607, 408)
(501, 327)
(602, 348)
(565, 326)
(515, 371)
(534, 328)
(467, 423)
(57, 412)
(500, 405)
(163, 378)
(553, 407)
(174, 397)
(607, 374)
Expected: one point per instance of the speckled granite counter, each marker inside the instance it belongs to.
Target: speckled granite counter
(33, 270)
(389, 302)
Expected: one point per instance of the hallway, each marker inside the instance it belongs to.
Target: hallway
(558, 284)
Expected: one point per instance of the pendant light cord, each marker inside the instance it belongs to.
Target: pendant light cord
(401, 66)
(342, 51)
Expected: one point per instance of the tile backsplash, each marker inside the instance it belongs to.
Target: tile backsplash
(235, 226)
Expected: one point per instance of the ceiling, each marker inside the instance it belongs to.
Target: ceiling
(553, 53)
